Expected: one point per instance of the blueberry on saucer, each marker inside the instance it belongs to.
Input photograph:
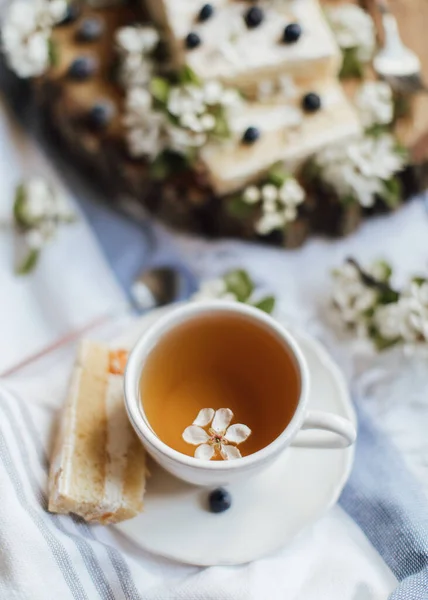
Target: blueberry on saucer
(219, 500)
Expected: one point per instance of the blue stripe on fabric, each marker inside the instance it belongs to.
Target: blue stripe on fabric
(388, 504)
(120, 566)
(90, 560)
(59, 552)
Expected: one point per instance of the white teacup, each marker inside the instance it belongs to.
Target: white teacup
(214, 473)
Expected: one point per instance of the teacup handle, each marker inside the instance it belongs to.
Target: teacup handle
(344, 432)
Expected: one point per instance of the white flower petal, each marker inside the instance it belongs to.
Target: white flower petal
(195, 435)
(212, 91)
(269, 192)
(222, 418)
(251, 195)
(237, 433)
(204, 452)
(204, 418)
(229, 452)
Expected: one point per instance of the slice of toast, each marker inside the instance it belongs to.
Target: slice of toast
(98, 468)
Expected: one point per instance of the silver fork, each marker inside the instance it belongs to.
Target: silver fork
(394, 62)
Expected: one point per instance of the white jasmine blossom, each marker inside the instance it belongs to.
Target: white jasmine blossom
(196, 109)
(208, 122)
(407, 319)
(145, 127)
(182, 140)
(351, 296)
(214, 289)
(358, 168)
(231, 99)
(191, 121)
(39, 209)
(213, 435)
(269, 193)
(26, 32)
(135, 45)
(251, 195)
(354, 29)
(187, 99)
(137, 39)
(291, 193)
(34, 239)
(278, 204)
(270, 221)
(367, 302)
(212, 92)
(146, 137)
(374, 103)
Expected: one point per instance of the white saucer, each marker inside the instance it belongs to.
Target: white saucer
(268, 510)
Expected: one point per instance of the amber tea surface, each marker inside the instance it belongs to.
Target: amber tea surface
(217, 362)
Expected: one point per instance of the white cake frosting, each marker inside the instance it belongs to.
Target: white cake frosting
(287, 135)
(118, 440)
(62, 459)
(238, 55)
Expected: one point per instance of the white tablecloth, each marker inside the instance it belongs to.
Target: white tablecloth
(74, 287)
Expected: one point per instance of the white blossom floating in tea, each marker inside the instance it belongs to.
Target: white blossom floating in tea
(221, 439)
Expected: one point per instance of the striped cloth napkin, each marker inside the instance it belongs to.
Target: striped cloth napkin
(382, 511)
(45, 556)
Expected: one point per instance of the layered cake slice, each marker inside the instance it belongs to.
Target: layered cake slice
(98, 469)
(287, 132)
(240, 42)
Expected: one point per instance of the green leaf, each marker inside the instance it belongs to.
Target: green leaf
(159, 168)
(347, 200)
(401, 151)
(221, 129)
(277, 175)
(29, 263)
(266, 304)
(159, 88)
(377, 130)
(351, 65)
(19, 207)
(388, 296)
(169, 163)
(236, 207)
(187, 75)
(382, 344)
(419, 280)
(238, 282)
(391, 193)
(384, 269)
(53, 53)
(310, 171)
